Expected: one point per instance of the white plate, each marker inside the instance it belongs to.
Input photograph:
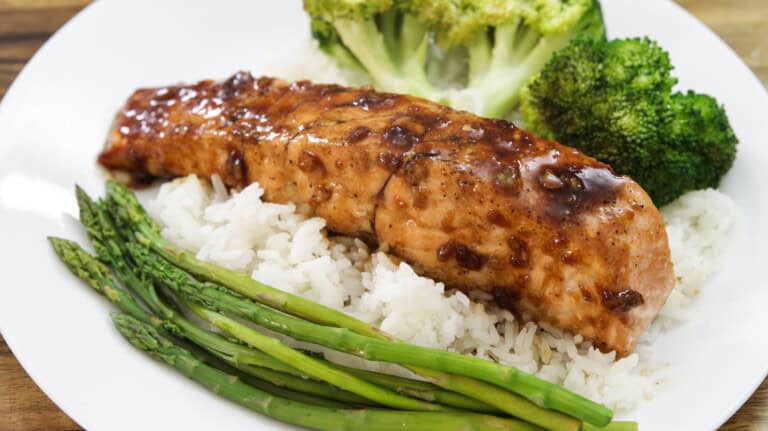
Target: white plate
(54, 120)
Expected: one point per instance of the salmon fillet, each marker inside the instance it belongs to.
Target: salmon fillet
(472, 202)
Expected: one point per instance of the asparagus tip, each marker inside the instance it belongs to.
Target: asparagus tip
(84, 201)
(62, 246)
(138, 334)
(79, 191)
(58, 245)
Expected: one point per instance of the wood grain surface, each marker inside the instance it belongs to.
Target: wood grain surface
(26, 24)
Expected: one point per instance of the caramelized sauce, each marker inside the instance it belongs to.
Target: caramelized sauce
(622, 301)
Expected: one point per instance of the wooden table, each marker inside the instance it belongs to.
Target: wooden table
(26, 24)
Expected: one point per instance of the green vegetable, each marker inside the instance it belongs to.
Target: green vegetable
(386, 39)
(247, 360)
(613, 426)
(508, 42)
(106, 240)
(126, 208)
(97, 275)
(418, 389)
(704, 146)
(111, 248)
(614, 101)
(146, 338)
(310, 366)
(113, 243)
(503, 43)
(538, 391)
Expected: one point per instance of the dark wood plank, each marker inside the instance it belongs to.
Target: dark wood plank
(8, 72)
(21, 21)
(20, 49)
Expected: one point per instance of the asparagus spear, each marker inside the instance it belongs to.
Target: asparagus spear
(613, 426)
(108, 244)
(303, 385)
(523, 409)
(106, 240)
(274, 389)
(413, 388)
(144, 337)
(110, 248)
(319, 370)
(547, 395)
(241, 357)
(342, 339)
(418, 389)
(99, 277)
(401, 384)
(291, 394)
(245, 333)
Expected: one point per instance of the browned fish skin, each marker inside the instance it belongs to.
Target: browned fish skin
(473, 202)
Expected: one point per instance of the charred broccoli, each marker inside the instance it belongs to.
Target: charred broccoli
(614, 101)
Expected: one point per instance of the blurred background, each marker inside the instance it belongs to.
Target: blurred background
(26, 24)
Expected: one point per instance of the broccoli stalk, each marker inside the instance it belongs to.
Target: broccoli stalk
(503, 57)
(614, 101)
(503, 44)
(381, 38)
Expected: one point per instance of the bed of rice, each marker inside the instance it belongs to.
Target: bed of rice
(280, 247)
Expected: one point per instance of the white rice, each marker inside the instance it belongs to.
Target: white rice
(697, 226)
(287, 250)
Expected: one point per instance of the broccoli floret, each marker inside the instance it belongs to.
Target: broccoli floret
(387, 39)
(504, 42)
(703, 141)
(614, 101)
(508, 42)
(593, 91)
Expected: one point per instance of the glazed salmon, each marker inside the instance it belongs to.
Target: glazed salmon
(473, 202)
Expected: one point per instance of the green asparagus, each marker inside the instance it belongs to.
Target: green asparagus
(311, 366)
(166, 274)
(274, 389)
(542, 393)
(146, 338)
(108, 243)
(117, 223)
(613, 426)
(291, 394)
(99, 277)
(109, 249)
(424, 390)
(247, 360)
(522, 409)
